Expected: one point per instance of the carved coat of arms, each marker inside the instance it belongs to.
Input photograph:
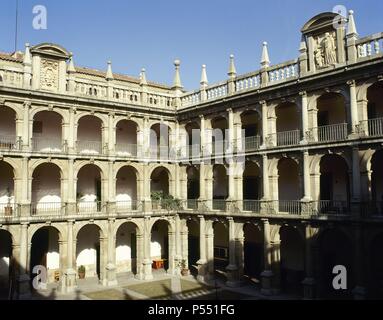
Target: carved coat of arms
(49, 75)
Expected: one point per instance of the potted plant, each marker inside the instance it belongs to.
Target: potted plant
(156, 197)
(81, 272)
(183, 268)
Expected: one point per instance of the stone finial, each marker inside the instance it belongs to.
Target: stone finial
(203, 81)
(27, 55)
(109, 72)
(265, 60)
(71, 68)
(351, 28)
(143, 77)
(232, 71)
(177, 79)
(303, 46)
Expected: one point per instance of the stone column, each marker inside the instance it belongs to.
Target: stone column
(265, 131)
(110, 269)
(265, 178)
(355, 201)
(23, 286)
(172, 253)
(178, 242)
(111, 134)
(140, 256)
(353, 107)
(69, 281)
(276, 265)
(202, 267)
(359, 291)
(306, 177)
(147, 261)
(111, 188)
(210, 250)
(304, 116)
(232, 268)
(25, 189)
(26, 130)
(230, 138)
(239, 248)
(184, 245)
(267, 274)
(309, 281)
(72, 136)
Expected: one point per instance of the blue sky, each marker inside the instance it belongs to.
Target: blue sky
(152, 33)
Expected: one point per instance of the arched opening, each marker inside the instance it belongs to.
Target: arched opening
(375, 109)
(219, 127)
(221, 249)
(6, 264)
(253, 252)
(331, 117)
(251, 126)
(126, 248)
(7, 197)
(45, 251)
(46, 189)
(7, 128)
(126, 189)
(251, 183)
(287, 124)
(289, 190)
(126, 138)
(159, 185)
(193, 138)
(193, 194)
(89, 135)
(159, 245)
(47, 132)
(193, 246)
(375, 274)
(333, 255)
(89, 251)
(89, 189)
(334, 184)
(377, 183)
(220, 187)
(159, 141)
(292, 264)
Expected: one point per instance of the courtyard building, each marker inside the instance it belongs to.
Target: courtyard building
(271, 177)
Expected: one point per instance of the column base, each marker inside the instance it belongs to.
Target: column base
(147, 268)
(308, 288)
(359, 293)
(23, 287)
(266, 282)
(232, 276)
(110, 276)
(68, 283)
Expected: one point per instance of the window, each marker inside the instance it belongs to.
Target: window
(37, 127)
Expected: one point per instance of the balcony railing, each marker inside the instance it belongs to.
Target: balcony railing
(331, 207)
(89, 147)
(288, 206)
(89, 207)
(126, 149)
(329, 133)
(252, 205)
(128, 206)
(288, 138)
(8, 142)
(44, 144)
(219, 204)
(252, 143)
(8, 210)
(192, 204)
(48, 208)
(372, 127)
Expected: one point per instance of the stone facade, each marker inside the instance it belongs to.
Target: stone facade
(281, 182)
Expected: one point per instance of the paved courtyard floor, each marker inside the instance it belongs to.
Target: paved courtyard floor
(163, 287)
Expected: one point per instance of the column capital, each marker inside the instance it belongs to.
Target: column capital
(262, 102)
(230, 110)
(303, 93)
(351, 83)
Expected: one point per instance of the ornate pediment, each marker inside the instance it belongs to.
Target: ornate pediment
(54, 51)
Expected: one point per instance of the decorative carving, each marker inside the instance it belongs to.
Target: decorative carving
(49, 74)
(325, 51)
